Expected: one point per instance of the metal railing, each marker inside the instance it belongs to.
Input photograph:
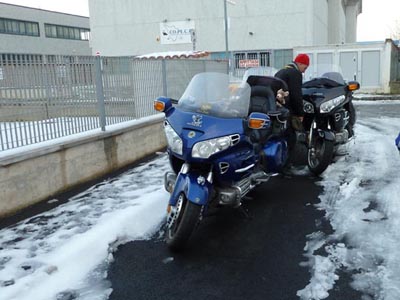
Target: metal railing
(43, 100)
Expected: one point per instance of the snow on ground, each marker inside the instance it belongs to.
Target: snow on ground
(361, 202)
(64, 253)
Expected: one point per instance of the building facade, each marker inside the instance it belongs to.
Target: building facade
(375, 65)
(38, 32)
(129, 27)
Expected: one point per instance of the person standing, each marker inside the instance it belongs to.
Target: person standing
(292, 74)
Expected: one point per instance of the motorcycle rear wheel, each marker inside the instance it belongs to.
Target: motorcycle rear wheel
(182, 224)
(319, 154)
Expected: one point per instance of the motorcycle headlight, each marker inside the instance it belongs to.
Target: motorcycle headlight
(308, 107)
(331, 104)
(173, 139)
(207, 148)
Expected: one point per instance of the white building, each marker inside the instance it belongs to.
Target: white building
(375, 65)
(133, 27)
(25, 30)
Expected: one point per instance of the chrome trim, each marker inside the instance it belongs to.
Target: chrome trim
(235, 138)
(185, 168)
(175, 211)
(244, 169)
(210, 177)
(224, 167)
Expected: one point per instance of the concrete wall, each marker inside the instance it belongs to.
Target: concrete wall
(10, 43)
(32, 175)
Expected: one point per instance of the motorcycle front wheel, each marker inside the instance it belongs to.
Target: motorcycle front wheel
(182, 221)
(319, 154)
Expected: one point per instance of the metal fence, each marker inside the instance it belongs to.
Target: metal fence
(43, 100)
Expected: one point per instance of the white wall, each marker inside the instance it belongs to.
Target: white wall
(370, 63)
(320, 22)
(132, 27)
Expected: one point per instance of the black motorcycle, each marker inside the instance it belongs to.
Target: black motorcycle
(329, 117)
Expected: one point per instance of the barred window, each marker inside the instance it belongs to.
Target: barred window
(19, 27)
(239, 56)
(66, 32)
(20, 59)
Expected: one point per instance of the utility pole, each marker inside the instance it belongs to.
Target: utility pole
(226, 36)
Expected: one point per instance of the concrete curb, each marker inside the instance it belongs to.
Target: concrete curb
(376, 97)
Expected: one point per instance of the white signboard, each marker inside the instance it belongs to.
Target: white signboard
(1, 74)
(176, 32)
(248, 63)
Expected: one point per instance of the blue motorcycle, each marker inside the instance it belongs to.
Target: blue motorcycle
(224, 138)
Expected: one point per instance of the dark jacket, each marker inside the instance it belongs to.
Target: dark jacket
(294, 79)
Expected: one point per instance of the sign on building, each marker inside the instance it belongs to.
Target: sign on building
(248, 63)
(176, 32)
(1, 74)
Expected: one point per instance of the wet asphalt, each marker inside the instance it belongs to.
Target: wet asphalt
(231, 255)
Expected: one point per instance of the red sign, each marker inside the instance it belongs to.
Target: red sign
(248, 63)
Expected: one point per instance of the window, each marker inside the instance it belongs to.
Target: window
(262, 57)
(19, 59)
(66, 32)
(282, 57)
(239, 56)
(19, 27)
(252, 55)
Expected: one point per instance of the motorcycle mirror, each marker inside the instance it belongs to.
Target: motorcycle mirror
(259, 121)
(353, 86)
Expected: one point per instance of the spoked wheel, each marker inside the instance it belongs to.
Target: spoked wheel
(181, 222)
(319, 154)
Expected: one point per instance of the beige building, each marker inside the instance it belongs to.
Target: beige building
(25, 30)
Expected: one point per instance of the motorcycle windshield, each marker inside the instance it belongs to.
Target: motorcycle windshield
(326, 72)
(214, 94)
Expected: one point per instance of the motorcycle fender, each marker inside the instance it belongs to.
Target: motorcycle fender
(195, 187)
(327, 135)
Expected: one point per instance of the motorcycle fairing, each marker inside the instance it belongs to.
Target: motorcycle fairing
(328, 94)
(274, 155)
(193, 128)
(195, 187)
(326, 134)
(227, 163)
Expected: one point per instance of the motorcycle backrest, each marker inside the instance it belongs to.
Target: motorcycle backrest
(263, 93)
(262, 99)
(273, 82)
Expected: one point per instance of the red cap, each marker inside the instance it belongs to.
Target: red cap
(302, 58)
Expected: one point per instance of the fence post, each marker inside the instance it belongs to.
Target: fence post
(164, 78)
(100, 93)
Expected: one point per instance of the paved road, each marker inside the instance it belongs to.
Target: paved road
(230, 256)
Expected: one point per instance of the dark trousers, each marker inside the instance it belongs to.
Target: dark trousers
(295, 125)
